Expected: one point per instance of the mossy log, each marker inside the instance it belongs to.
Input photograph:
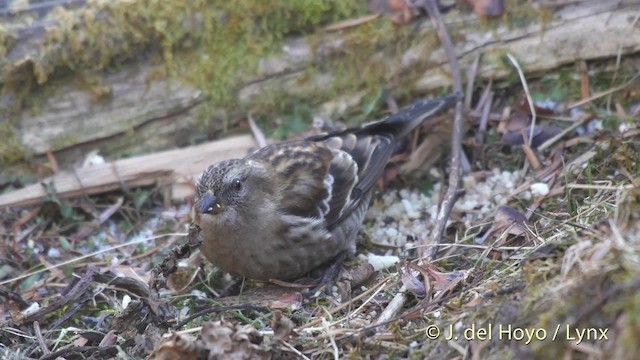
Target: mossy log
(130, 77)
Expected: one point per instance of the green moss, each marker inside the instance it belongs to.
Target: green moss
(7, 40)
(210, 45)
(521, 13)
(11, 149)
(222, 39)
(63, 141)
(355, 70)
(242, 32)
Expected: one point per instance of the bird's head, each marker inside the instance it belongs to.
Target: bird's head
(225, 188)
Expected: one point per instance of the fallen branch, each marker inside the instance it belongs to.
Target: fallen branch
(177, 168)
(456, 154)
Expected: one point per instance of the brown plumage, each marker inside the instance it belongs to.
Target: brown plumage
(290, 207)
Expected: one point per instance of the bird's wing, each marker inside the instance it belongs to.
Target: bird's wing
(327, 178)
(303, 174)
(367, 149)
(328, 175)
(357, 164)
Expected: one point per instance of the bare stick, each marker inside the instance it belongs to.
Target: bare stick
(456, 150)
(456, 137)
(523, 80)
(484, 118)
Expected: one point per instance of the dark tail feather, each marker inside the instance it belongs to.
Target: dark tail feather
(408, 118)
(400, 123)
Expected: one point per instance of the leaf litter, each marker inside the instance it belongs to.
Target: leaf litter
(544, 249)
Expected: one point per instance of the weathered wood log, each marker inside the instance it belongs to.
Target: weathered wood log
(174, 168)
(144, 111)
(135, 95)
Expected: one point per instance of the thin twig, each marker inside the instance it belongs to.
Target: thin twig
(456, 137)
(296, 351)
(564, 132)
(484, 118)
(71, 261)
(258, 135)
(456, 150)
(373, 288)
(523, 80)
(332, 340)
(43, 345)
(603, 93)
(472, 72)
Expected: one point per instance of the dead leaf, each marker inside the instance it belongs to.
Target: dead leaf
(180, 280)
(80, 341)
(177, 347)
(439, 280)
(509, 219)
(402, 17)
(399, 10)
(413, 284)
(282, 326)
(291, 301)
(109, 339)
(541, 133)
(517, 120)
(224, 339)
(487, 7)
(362, 274)
(53, 163)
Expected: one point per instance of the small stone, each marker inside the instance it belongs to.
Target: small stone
(380, 262)
(391, 232)
(539, 189)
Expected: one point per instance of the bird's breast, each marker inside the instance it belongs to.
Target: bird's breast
(284, 249)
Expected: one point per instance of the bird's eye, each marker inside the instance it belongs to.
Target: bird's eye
(237, 185)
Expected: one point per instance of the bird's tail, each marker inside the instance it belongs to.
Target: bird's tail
(408, 118)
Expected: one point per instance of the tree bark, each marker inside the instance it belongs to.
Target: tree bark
(129, 109)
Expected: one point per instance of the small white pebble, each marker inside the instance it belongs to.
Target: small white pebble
(525, 195)
(199, 294)
(623, 127)
(53, 252)
(391, 232)
(539, 189)
(469, 181)
(31, 309)
(382, 262)
(407, 206)
(126, 300)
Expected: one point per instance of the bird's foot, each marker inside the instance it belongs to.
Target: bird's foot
(329, 275)
(232, 289)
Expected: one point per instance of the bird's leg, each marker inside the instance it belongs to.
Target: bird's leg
(232, 289)
(329, 274)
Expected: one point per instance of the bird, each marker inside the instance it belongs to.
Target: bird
(291, 207)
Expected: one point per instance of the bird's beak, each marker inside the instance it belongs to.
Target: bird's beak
(209, 204)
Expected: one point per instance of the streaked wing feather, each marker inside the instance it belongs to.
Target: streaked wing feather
(361, 162)
(344, 171)
(306, 181)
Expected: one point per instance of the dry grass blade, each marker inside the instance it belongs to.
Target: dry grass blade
(87, 256)
(523, 80)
